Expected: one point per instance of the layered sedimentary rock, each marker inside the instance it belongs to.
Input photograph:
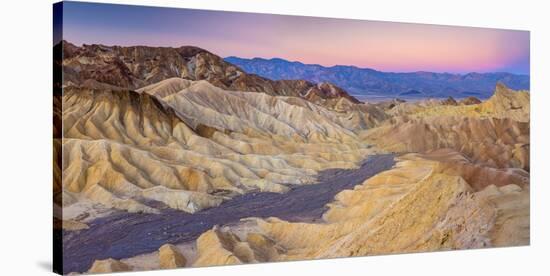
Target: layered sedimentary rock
(109, 265)
(191, 145)
(495, 142)
(170, 257)
(495, 132)
(282, 116)
(421, 205)
(507, 103)
(469, 101)
(195, 141)
(138, 66)
(449, 101)
(504, 104)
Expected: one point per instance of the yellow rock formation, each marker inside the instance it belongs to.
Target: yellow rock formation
(191, 145)
(420, 205)
(108, 265)
(507, 103)
(72, 225)
(170, 257)
(504, 104)
(494, 132)
(495, 142)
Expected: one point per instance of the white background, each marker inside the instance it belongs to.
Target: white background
(25, 137)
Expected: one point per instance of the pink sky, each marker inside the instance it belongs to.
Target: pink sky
(383, 46)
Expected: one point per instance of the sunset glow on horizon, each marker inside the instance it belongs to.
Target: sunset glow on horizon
(385, 46)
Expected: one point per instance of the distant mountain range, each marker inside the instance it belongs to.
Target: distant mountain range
(369, 82)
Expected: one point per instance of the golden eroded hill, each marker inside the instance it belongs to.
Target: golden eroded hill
(504, 104)
(461, 180)
(425, 203)
(494, 132)
(191, 145)
(281, 116)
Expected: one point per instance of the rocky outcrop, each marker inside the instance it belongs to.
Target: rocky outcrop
(495, 142)
(190, 145)
(477, 175)
(170, 257)
(215, 247)
(246, 113)
(469, 101)
(449, 101)
(495, 132)
(420, 205)
(72, 225)
(504, 104)
(137, 66)
(108, 266)
(508, 103)
(218, 246)
(353, 117)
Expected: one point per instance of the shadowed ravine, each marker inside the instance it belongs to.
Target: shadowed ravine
(124, 235)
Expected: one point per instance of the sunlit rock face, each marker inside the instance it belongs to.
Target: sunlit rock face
(170, 257)
(424, 204)
(495, 132)
(191, 145)
(108, 266)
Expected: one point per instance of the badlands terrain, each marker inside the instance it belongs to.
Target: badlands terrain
(174, 157)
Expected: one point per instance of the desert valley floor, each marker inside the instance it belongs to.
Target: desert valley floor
(174, 157)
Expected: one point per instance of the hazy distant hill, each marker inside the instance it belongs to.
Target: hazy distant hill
(365, 81)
